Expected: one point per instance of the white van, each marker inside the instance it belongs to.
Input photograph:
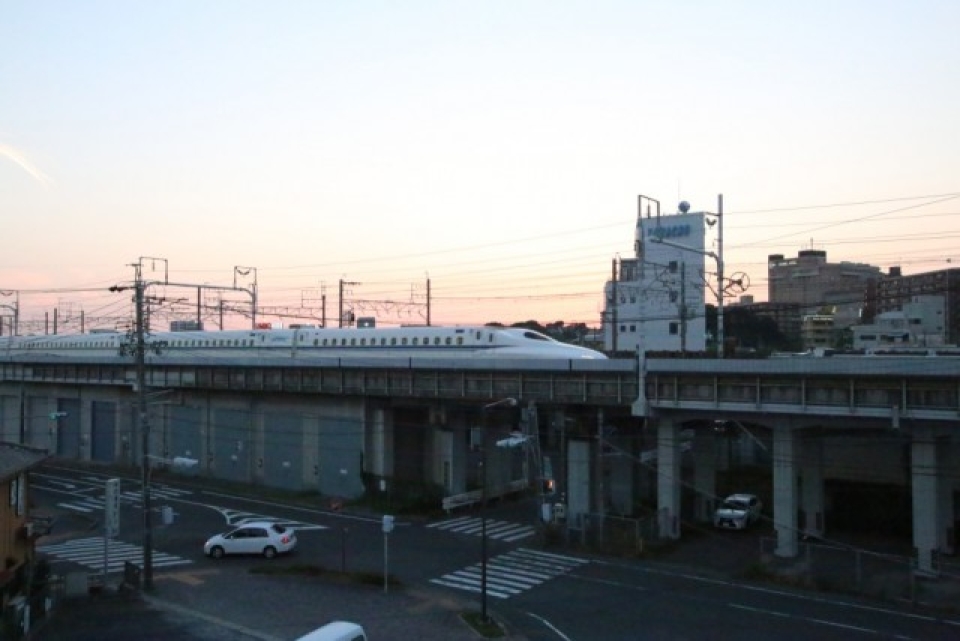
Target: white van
(336, 631)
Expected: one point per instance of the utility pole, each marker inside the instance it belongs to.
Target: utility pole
(15, 308)
(246, 271)
(140, 349)
(720, 337)
(340, 314)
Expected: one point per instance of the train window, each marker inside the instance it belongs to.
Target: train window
(459, 340)
(448, 341)
(363, 341)
(489, 338)
(353, 341)
(393, 340)
(415, 340)
(436, 340)
(315, 341)
(535, 336)
(403, 341)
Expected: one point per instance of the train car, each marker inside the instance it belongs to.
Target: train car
(308, 342)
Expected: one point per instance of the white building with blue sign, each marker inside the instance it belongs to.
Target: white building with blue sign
(657, 300)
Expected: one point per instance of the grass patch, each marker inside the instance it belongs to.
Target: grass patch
(488, 629)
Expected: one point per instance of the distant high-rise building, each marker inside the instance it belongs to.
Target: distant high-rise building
(815, 285)
(896, 291)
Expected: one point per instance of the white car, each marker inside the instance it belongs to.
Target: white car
(738, 511)
(254, 537)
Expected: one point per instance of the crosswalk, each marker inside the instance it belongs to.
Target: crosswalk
(511, 573)
(94, 503)
(501, 530)
(89, 552)
(238, 517)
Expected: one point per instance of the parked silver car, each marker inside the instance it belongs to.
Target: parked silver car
(738, 512)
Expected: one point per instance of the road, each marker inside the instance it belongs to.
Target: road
(541, 594)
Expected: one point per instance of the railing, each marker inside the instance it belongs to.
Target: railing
(847, 569)
(454, 501)
(614, 534)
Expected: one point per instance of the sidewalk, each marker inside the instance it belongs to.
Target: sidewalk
(113, 615)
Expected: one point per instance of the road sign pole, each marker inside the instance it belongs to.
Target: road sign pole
(111, 519)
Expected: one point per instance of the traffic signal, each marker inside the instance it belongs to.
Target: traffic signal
(549, 486)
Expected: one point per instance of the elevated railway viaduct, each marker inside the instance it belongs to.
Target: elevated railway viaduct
(618, 432)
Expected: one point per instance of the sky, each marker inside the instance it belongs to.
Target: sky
(491, 152)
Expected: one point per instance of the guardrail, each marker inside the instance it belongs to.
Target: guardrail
(476, 496)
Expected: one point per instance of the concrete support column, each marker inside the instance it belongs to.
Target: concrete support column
(668, 478)
(705, 474)
(620, 471)
(453, 461)
(929, 531)
(811, 487)
(785, 491)
(578, 477)
(561, 425)
(946, 453)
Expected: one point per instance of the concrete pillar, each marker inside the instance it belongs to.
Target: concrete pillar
(705, 474)
(929, 527)
(620, 471)
(460, 457)
(578, 477)
(668, 478)
(785, 491)
(811, 487)
(946, 453)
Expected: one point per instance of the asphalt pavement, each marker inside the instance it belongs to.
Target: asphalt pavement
(225, 608)
(240, 605)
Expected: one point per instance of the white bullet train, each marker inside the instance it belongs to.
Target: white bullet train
(305, 343)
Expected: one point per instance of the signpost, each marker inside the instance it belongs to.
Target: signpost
(111, 519)
(387, 529)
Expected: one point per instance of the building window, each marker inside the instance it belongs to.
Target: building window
(674, 296)
(673, 267)
(674, 329)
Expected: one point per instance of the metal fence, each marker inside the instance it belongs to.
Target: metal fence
(856, 571)
(613, 534)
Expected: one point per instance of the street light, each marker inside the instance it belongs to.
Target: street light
(504, 402)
